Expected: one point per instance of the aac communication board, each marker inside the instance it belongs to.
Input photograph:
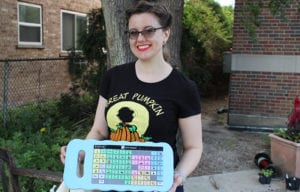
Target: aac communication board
(119, 165)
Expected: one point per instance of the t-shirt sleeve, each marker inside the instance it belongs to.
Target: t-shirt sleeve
(190, 101)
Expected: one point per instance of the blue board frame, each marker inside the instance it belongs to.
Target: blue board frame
(75, 146)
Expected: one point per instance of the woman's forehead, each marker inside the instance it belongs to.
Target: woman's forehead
(143, 20)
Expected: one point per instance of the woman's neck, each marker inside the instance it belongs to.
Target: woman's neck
(152, 71)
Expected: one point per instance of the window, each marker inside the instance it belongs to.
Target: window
(73, 24)
(29, 24)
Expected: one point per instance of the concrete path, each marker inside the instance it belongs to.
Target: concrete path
(241, 181)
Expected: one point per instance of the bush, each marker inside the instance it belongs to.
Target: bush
(30, 118)
(38, 151)
(36, 132)
(207, 33)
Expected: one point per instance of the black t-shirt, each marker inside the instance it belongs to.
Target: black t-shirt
(139, 111)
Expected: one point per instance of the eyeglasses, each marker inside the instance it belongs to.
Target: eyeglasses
(147, 33)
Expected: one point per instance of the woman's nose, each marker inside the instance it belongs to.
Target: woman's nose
(140, 37)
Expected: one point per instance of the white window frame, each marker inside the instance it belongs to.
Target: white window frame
(61, 27)
(40, 25)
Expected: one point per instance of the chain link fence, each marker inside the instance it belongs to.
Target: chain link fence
(26, 81)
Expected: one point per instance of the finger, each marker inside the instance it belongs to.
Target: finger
(63, 154)
(177, 181)
(173, 188)
(63, 149)
(62, 158)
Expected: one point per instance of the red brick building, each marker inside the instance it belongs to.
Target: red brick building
(39, 29)
(35, 28)
(265, 76)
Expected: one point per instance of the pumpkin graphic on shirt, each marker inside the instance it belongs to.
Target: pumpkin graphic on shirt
(128, 121)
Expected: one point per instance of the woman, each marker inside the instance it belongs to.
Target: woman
(148, 97)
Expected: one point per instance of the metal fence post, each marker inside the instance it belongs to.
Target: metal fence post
(5, 93)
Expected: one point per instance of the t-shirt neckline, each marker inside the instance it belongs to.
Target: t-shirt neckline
(150, 83)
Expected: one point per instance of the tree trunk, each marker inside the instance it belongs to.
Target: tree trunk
(118, 42)
(115, 26)
(174, 42)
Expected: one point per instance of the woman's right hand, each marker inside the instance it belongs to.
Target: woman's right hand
(63, 151)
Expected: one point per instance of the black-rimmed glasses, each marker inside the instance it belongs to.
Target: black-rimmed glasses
(147, 33)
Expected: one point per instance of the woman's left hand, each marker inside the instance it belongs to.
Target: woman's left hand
(178, 180)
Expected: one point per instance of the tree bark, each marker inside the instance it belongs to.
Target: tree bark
(174, 42)
(118, 42)
(115, 26)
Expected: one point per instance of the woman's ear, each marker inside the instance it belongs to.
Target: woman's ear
(166, 35)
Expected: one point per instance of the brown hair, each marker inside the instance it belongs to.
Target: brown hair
(161, 12)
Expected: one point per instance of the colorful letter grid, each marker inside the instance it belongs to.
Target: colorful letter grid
(126, 165)
(119, 165)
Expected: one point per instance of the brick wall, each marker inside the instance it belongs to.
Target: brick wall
(51, 11)
(56, 75)
(261, 93)
(274, 36)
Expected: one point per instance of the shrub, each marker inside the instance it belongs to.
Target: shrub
(36, 132)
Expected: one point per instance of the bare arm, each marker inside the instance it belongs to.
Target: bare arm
(191, 129)
(99, 129)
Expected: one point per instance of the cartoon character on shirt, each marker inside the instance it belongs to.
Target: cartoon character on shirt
(128, 121)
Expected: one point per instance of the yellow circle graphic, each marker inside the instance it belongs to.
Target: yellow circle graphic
(140, 116)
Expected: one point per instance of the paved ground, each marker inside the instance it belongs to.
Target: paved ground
(226, 150)
(227, 163)
(240, 181)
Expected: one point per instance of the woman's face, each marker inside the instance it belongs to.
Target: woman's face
(148, 44)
